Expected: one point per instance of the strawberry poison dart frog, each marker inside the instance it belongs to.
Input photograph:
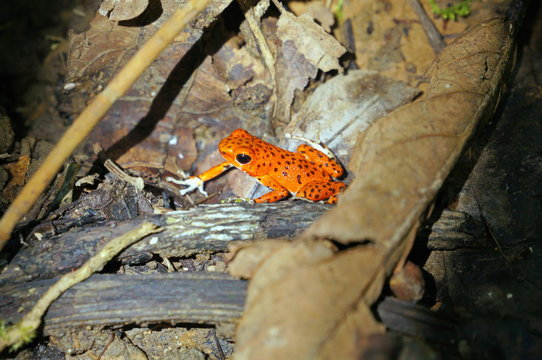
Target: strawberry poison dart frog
(307, 173)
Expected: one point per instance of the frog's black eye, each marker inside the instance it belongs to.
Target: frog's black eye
(243, 159)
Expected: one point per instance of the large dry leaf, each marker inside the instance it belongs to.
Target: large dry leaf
(306, 308)
(294, 299)
(403, 159)
(319, 48)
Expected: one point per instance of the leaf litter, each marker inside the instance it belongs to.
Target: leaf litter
(304, 304)
(310, 299)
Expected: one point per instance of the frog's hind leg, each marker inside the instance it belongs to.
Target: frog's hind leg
(328, 164)
(279, 191)
(316, 191)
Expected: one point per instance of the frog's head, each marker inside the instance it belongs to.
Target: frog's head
(237, 149)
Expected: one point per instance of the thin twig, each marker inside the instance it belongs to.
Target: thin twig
(90, 117)
(433, 35)
(218, 346)
(116, 170)
(23, 331)
(254, 26)
(505, 258)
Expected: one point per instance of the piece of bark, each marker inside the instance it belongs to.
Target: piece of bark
(203, 229)
(455, 230)
(102, 300)
(113, 200)
(408, 318)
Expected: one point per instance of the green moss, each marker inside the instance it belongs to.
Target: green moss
(451, 12)
(26, 334)
(338, 11)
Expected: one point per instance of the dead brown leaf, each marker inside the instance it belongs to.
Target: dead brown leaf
(310, 301)
(387, 36)
(319, 48)
(118, 10)
(248, 257)
(17, 171)
(293, 72)
(338, 110)
(302, 300)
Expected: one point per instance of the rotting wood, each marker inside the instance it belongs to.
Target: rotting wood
(203, 229)
(189, 298)
(103, 300)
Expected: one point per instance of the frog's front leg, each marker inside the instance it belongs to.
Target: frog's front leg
(328, 164)
(279, 191)
(196, 182)
(316, 191)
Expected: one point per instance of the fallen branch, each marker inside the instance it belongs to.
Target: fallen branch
(118, 299)
(203, 229)
(22, 332)
(207, 298)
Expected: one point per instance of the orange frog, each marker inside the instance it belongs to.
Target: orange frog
(305, 174)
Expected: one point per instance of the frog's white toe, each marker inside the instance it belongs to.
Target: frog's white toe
(191, 183)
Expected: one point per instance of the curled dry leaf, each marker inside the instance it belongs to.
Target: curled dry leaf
(310, 301)
(305, 48)
(118, 10)
(338, 110)
(319, 48)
